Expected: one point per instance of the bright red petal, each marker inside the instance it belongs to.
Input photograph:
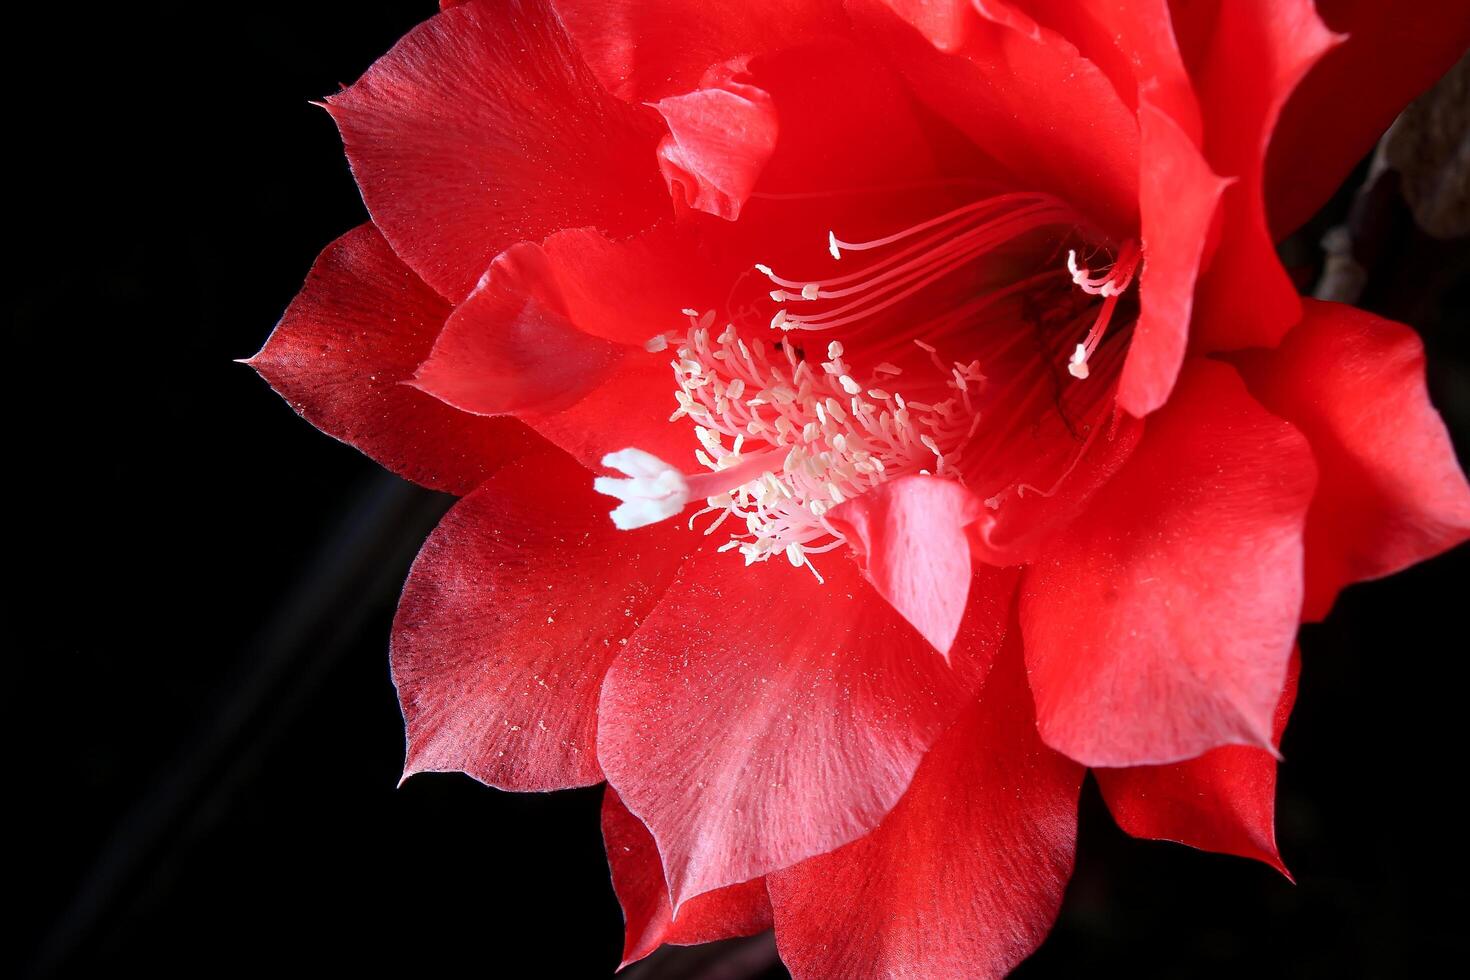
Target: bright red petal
(1133, 41)
(720, 137)
(759, 718)
(510, 347)
(357, 330)
(1179, 196)
(1391, 492)
(910, 533)
(1224, 801)
(1022, 93)
(1393, 52)
(515, 606)
(638, 878)
(482, 128)
(644, 50)
(1161, 623)
(1257, 53)
(964, 877)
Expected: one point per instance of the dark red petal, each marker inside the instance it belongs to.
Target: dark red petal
(1257, 53)
(1161, 622)
(964, 877)
(357, 330)
(1393, 52)
(638, 878)
(910, 535)
(1391, 492)
(720, 137)
(644, 50)
(515, 606)
(482, 128)
(1178, 197)
(1224, 801)
(1022, 93)
(759, 718)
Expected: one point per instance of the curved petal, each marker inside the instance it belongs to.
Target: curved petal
(759, 718)
(1133, 41)
(1224, 801)
(1022, 93)
(910, 536)
(645, 50)
(1257, 53)
(638, 878)
(513, 610)
(360, 325)
(1161, 623)
(482, 128)
(1391, 492)
(964, 878)
(510, 347)
(1179, 197)
(557, 334)
(1393, 52)
(720, 137)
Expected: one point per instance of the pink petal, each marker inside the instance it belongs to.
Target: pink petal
(638, 878)
(964, 878)
(720, 137)
(1161, 623)
(910, 535)
(360, 325)
(482, 128)
(1179, 197)
(1224, 801)
(1391, 492)
(516, 605)
(759, 718)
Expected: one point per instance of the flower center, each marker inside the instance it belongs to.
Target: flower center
(960, 330)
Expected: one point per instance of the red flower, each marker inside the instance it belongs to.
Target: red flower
(982, 328)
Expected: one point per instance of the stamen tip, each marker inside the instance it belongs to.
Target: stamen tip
(832, 245)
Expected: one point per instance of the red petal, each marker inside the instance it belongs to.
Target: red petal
(720, 137)
(1179, 195)
(482, 128)
(1256, 54)
(1022, 93)
(1161, 624)
(515, 606)
(510, 347)
(1393, 52)
(1391, 492)
(649, 49)
(1133, 41)
(910, 533)
(638, 878)
(1224, 801)
(759, 718)
(548, 335)
(1016, 531)
(360, 325)
(964, 877)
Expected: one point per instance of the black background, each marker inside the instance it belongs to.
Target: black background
(207, 742)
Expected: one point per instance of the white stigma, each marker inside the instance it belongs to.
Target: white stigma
(655, 491)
